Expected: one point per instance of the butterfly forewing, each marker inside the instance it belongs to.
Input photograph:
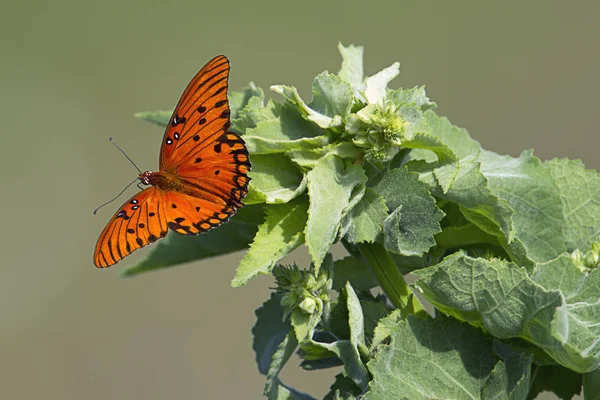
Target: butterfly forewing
(201, 116)
(138, 222)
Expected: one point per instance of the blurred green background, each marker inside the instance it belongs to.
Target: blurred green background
(516, 74)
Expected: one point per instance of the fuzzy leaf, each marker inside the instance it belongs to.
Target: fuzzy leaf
(415, 217)
(531, 191)
(347, 352)
(457, 139)
(275, 179)
(352, 65)
(376, 85)
(349, 269)
(331, 95)
(238, 100)
(501, 297)
(414, 96)
(355, 317)
(509, 379)
(284, 130)
(309, 158)
(470, 190)
(281, 232)
(293, 98)
(365, 222)
(580, 194)
(385, 327)
(330, 187)
(431, 359)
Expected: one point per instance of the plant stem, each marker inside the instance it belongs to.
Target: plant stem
(389, 277)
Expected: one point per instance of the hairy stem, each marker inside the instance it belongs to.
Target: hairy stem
(389, 277)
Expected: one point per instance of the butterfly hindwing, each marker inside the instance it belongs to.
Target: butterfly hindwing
(138, 222)
(200, 117)
(191, 215)
(221, 170)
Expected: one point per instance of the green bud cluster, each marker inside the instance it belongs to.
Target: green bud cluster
(302, 289)
(379, 129)
(587, 260)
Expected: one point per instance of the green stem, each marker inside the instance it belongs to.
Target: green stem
(389, 277)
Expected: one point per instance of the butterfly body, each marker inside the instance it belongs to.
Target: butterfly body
(202, 177)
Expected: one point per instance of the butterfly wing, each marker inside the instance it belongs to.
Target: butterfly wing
(199, 150)
(140, 221)
(200, 117)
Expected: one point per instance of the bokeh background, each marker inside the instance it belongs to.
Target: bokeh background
(516, 74)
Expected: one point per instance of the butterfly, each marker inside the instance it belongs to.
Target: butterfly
(202, 175)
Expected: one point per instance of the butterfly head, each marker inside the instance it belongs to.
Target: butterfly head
(146, 177)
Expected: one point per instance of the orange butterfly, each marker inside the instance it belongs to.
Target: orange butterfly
(202, 178)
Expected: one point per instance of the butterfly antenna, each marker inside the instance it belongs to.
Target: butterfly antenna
(125, 154)
(117, 196)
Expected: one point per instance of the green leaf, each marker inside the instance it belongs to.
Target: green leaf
(284, 129)
(591, 385)
(273, 347)
(253, 113)
(580, 195)
(458, 139)
(330, 187)
(531, 191)
(275, 179)
(349, 269)
(281, 356)
(373, 311)
(348, 353)
(439, 359)
(331, 95)
(158, 117)
(580, 335)
(414, 96)
(501, 297)
(281, 233)
(509, 379)
(427, 141)
(304, 324)
(355, 317)
(415, 217)
(385, 327)
(279, 391)
(470, 190)
(352, 65)
(309, 158)
(376, 85)
(365, 222)
(563, 382)
(268, 332)
(290, 94)
(343, 388)
(238, 100)
(177, 249)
